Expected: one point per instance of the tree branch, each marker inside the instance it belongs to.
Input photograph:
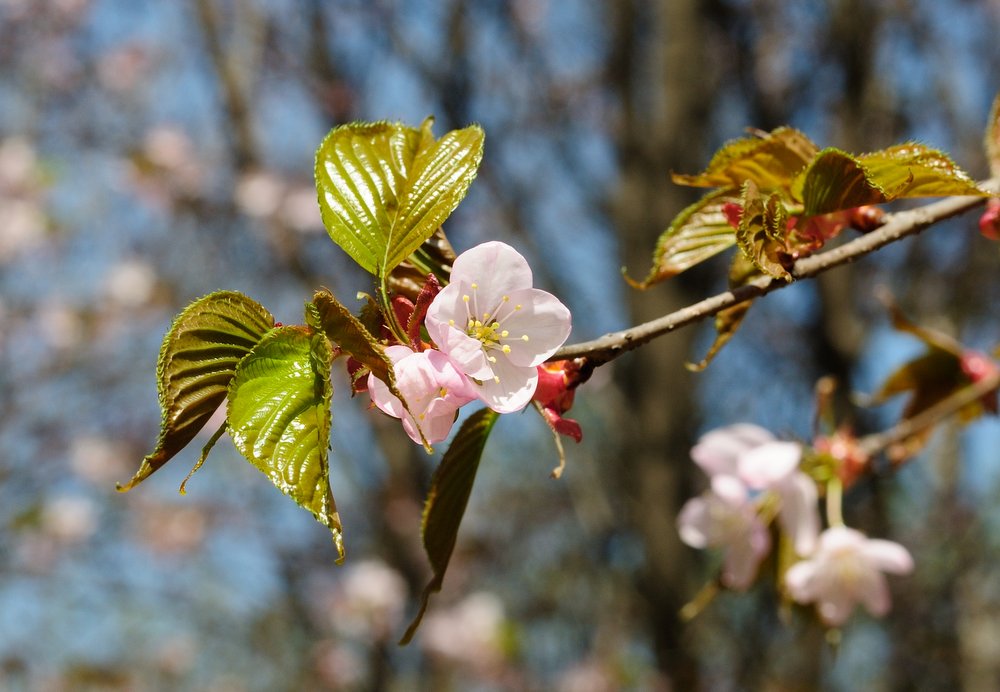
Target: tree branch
(875, 443)
(898, 226)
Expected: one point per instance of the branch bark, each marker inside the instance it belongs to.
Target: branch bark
(900, 225)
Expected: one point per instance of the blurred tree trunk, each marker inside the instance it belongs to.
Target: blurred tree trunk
(658, 50)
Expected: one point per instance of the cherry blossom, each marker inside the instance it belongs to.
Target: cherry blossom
(753, 457)
(433, 387)
(726, 517)
(495, 327)
(847, 569)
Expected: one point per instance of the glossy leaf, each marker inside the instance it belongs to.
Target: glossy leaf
(385, 188)
(763, 230)
(279, 418)
(728, 321)
(447, 499)
(435, 256)
(992, 138)
(699, 232)
(837, 180)
(331, 317)
(198, 358)
(771, 160)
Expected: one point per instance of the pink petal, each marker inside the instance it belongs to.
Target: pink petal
(835, 607)
(887, 556)
(743, 557)
(801, 581)
(513, 391)
(693, 522)
(543, 319)
(875, 594)
(496, 268)
(718, 450)
(766, 465)
(799, 515)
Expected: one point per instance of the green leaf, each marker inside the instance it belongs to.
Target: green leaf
(992, 138)
(837, 180)
(915, 170)
(728, 321)
(447, 499)
(279, 418)
(763, 230)
(771, 160)
(198, 358)
(329, 316)
(699, 232)
(435, 256)
(384, 188)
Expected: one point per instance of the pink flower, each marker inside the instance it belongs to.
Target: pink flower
(753, 457)
(433, 387)
(989, 222)
(846, 570)
(726, 517)
(495, 327)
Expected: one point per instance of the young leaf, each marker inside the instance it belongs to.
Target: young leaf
(279, 418)
(836, 181)
(914, 170)
(447, 499)
(385, 188)
(699, 232)
(327, 315)
(197, 360)
(435, 256)
(762, 231)
(992, 138)
(771, 160)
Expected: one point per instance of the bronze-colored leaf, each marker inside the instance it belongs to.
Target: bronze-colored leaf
(447, 499)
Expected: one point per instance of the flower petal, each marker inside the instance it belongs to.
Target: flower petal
(768, 464)
(693, 522)
(513, 391)
(718, 450)
(543, 319)
(799, 515)
(888, 556)
(496, 268)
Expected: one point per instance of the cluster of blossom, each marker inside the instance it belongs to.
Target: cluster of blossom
(491, 332)
(754, 478)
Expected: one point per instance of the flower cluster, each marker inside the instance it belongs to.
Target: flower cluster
(491, 333)
(755, 478)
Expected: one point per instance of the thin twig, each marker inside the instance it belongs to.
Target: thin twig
(898, 226)
(875, 443)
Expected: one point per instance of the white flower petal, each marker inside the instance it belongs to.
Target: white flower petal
(888, 556)
(768, 464)
(718, 450)
(799, 515)
(540, 317)
(513, 391)
(693, 522)
(496, 268)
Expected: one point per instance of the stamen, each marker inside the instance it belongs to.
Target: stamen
(492, 359)
(496, 379)
(465, 298)
(451, 323)
(518, 306)
(505, 348)
(474, 285)
(524, 337)
(504, 334)
(506, 298)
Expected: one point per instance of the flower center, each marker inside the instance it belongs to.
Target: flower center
(487, 326)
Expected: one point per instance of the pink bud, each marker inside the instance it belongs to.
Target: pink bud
(989, 222)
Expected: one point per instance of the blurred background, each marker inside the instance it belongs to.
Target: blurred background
(152, 152)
